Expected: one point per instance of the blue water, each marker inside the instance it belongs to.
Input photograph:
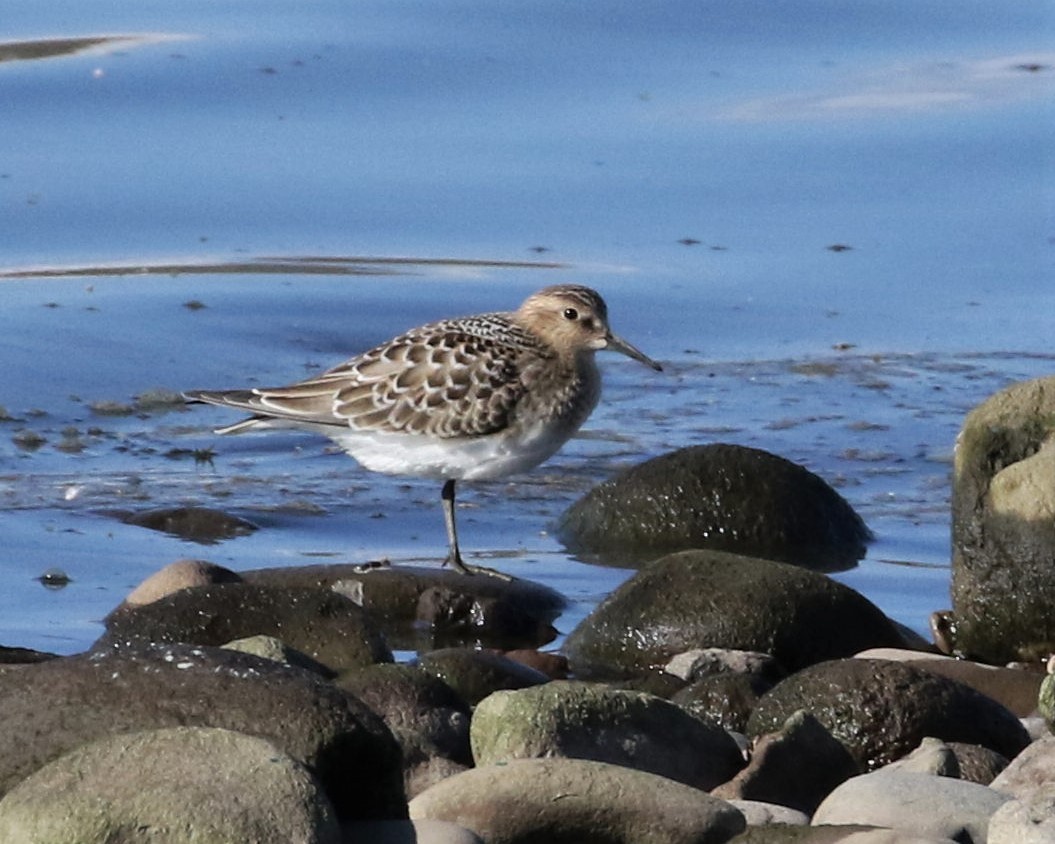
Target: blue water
(693, 161)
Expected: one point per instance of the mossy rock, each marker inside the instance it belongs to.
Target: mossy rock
(720, 496)
(705, 599)
(1003, 526)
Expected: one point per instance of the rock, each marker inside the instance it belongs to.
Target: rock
(588, 721)
(430, 721)
(764, 814)
(721, 497)
(842, 834)
(916, 803)
(181, 574)
(701, 599)
(797, 767)
(933, 756)
(976, 763)
(725, 700)
(554, 666)
(566, 800)
(327, 627)
(475, 674)
(197, 524)
(408, 832)
(454, 609)
(1036, 727)
(943, 631)
(658, 683)
(701, 662)
(1003, 526)
(1029, 820)
(1046, 701)
(23, 656)
(881, 710)
(1015, 688)
(725, 684)
(276, 650)
(228, 787)
(54, 707)
(1032, 769)
(911, 640)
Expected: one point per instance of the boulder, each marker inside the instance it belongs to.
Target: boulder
(1015, 688)
(701, 599)
(796, 767)
(276, 650)
(1030, 770)
(722, 497)
(23, 656)
(1028, 820)
(324, 625)
(228, 787)
(916, 803)
(976, 763)
(196, 524)
(475, 674)
(697, 663)
(933, 756)
(589, 721)
(407, 832)
(1003, 526)
(53, 707)
(429, 608)
(726, 700)
(430, 721)
(553, 665)
(841, 834)
(181, 574)
(658, 683)
(572, 800)
(881, 710)
(1046, 701)
(757, 813)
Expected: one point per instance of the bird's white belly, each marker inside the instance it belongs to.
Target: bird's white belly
(464, 458)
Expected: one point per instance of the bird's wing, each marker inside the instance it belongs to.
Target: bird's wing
(455, 378)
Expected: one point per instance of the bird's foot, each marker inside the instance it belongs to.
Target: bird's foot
(459, 565)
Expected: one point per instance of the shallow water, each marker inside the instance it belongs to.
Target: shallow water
(321, 176)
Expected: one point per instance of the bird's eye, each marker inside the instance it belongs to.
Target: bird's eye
(571, 313)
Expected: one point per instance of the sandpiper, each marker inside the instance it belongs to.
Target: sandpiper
(471, 398)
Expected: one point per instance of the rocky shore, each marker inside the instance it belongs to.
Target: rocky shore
(729, 691)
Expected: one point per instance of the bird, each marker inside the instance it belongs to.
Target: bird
(463, 399)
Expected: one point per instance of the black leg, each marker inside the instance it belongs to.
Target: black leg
(454, 556)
